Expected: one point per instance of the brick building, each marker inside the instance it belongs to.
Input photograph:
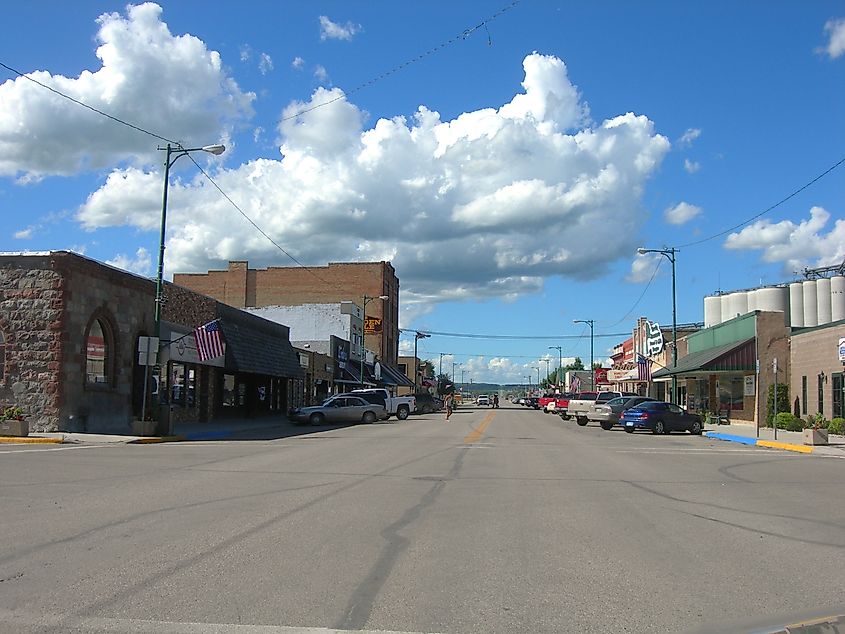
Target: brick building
(242, 287)
(817, 373)
(69, 332)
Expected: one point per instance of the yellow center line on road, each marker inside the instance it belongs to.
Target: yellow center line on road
(477, 432)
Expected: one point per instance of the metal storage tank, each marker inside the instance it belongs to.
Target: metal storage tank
(811, 303)
(738, 304)
(837, 298)
(726, 308)
(774, 298)
(713, 310)
(796, 305)
(752, 300)
(823, 300)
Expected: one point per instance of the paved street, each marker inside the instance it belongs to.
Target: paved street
(505, 521)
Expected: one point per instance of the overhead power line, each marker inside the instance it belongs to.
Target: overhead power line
(464, 335)
(767, 210)
(463, 35)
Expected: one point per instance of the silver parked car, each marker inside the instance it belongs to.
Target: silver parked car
(608, 414)
(340, 409)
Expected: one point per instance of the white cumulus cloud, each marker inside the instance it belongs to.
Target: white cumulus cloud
(335, 31)
(643, 267)
(691, 166)
(297, 62)
(23, 234)
(169, 84)
(140, 264)
(681, 213)
(690, 135)
(796, 245)
(265, 63)
(487, 204)
(836, 31)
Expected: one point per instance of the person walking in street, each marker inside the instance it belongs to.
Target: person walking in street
(495, 400)
(449, 404)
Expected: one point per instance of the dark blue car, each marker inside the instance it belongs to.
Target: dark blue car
(660, 417)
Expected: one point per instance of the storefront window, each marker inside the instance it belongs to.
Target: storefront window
(183, 384)
(730, 393)
(229, 390)
(2, 356)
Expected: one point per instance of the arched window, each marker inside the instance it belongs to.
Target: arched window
(98, 354)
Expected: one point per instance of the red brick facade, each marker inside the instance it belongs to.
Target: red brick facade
(242, 287)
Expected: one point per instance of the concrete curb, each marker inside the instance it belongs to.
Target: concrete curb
(30, 440)
(154, 440)
(770, 444)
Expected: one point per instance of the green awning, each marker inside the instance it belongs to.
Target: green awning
(739, 356)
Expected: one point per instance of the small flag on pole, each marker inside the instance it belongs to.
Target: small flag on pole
(209, 341)
(575, 385)
(643, 368)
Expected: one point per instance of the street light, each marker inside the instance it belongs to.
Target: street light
(547, 362)
(172, 154)
(670, 255)
(417, 336)
(589, 322)
(559, 363)
(367, 300)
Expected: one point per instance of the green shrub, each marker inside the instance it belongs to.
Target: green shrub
(837, 426)
(795, 425)
(782, 402)
(785, 419)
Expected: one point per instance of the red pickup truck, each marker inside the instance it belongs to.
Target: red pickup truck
(554, 404)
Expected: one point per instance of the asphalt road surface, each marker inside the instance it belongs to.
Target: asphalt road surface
(497, 521)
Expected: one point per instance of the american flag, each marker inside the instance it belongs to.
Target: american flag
(209, 341)
(575, 385)
(643, 368)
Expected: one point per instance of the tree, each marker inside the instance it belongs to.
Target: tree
(577, 364)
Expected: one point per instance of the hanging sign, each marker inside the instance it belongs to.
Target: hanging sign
(372, 325)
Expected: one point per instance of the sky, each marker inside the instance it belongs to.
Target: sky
(507, 157)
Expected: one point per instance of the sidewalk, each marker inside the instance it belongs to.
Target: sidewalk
(788, 440)
(270, 427)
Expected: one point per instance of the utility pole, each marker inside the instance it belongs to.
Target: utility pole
(590, 323)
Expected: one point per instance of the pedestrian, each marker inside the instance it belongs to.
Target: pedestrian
(448, 406)
(495, 400)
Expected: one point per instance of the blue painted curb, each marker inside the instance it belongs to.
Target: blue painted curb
(745, 440)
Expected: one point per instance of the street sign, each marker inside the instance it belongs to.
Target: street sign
(147, 351)
(372, 325)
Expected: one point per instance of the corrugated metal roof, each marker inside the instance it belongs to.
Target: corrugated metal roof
(731, 357)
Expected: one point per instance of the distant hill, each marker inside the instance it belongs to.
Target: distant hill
(481, 388)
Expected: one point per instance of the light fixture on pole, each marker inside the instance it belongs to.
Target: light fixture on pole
(559, 363)
(547, 362)
(670, 255)
(417, 336)
(173, 152)
(366, 300)
(590, 323)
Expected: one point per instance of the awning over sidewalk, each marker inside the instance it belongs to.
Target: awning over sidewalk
(739, 356)
(392, 376)
(259, 349)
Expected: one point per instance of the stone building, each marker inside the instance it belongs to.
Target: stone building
(242, 287)
(70, 328)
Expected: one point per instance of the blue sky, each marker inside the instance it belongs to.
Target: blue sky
(509, 174)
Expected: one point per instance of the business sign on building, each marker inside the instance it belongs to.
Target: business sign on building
(617, 376)
(600, 375)
(654, 339)
(842, 349)
(372, 325)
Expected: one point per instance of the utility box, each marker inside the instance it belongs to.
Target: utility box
(14, 428)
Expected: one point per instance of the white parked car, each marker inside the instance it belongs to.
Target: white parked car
(483, 400)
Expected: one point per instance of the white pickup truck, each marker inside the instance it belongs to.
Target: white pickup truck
(398, 406)
(582, 406)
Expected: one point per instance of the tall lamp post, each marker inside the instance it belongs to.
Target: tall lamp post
(670, 255)
(417, 336)
(366, 300)
(547, 362)
(590, 323)
(172, 154)
(559, 363)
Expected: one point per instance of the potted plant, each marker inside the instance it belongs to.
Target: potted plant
(816, 431)
(13, 422)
